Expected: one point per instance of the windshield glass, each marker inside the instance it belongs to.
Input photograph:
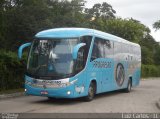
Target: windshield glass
(52, 58)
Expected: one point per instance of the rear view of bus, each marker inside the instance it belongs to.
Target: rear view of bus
(62, 64)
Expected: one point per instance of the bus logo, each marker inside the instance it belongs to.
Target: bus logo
(120, 74)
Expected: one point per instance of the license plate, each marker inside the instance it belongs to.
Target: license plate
(44, 93)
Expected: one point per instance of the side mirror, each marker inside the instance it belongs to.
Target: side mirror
(20, 50)
(76, 49)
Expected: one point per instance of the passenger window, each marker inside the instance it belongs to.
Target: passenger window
(97, 51)
(108, 49)
(83, 53)
(102, 48)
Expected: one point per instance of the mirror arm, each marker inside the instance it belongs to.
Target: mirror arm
(76, 49)
(20, 50)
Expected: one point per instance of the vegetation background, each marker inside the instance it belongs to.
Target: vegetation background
(20, 20)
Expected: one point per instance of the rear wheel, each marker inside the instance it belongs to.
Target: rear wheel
(91, 92)
(129, 86)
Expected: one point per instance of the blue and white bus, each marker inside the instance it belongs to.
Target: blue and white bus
(80, 62)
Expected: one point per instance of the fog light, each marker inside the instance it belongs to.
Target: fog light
(68, 92)
(25, 90)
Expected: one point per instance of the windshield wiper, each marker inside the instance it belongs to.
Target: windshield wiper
(39, 67)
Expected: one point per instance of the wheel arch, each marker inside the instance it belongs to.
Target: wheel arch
(131, 79)
(95, 83)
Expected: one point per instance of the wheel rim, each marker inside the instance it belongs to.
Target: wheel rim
(129, 86)
(91, 92)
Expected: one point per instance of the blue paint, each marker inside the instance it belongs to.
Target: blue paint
(64, 33)
(20, 50)
(76, 49)
(104, 75)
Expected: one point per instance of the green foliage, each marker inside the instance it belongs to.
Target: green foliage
(11, 71)
(150, 71)
(133, 31)
(125, 28)
(147, 55)
(103, 10)
(156, 25)
(20, 20)
(157, 55)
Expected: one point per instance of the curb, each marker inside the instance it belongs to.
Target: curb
(12, 95)
(158, 104)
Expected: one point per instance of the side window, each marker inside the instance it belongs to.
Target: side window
(117, 50)
(83, 53)
(108, 49)
(102, 48)
(87, 40)
(97, 51)
(80, 63)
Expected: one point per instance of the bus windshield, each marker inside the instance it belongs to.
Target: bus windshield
(51, 58)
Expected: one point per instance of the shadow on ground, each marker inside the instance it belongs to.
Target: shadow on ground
(65, 101)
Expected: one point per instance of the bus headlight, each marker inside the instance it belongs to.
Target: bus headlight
(68, 92)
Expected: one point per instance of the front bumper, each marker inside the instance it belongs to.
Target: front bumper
(51, 92)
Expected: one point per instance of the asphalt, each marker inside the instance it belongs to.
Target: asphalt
(158, 104)
(146, 85)
(11, 95)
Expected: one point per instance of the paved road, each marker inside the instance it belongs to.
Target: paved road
(142, 99)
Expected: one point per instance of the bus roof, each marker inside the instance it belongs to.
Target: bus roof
(77, 32)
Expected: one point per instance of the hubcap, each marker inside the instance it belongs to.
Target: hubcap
(91, 92)
(129, 86)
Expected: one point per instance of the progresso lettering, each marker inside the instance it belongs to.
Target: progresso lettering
(102, 64)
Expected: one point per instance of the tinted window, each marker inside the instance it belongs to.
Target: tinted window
(102, 48)
(83, 53)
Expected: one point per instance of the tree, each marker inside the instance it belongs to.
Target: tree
(103, 10)
(2, 21)
(125, 28)
(22, 19)
(69, 14)
(157, 56)
(133, 31)
(156, 25)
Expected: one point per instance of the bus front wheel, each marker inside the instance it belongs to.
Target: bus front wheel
(91, 92)
(51, 98)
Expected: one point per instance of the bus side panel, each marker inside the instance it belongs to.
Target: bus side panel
(101, 70)
(108, 75)
(94, 73)
(136, 77)
(80, 89)
(121, 67)
(137, 66)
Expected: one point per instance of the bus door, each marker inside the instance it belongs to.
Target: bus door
(95, 73)
(101, 62)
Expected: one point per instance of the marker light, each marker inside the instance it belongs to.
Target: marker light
(68, 92)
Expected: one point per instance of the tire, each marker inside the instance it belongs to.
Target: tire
(129, 86)
(51, 98)
(91, 92)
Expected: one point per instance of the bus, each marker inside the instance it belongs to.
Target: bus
(80, 62)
